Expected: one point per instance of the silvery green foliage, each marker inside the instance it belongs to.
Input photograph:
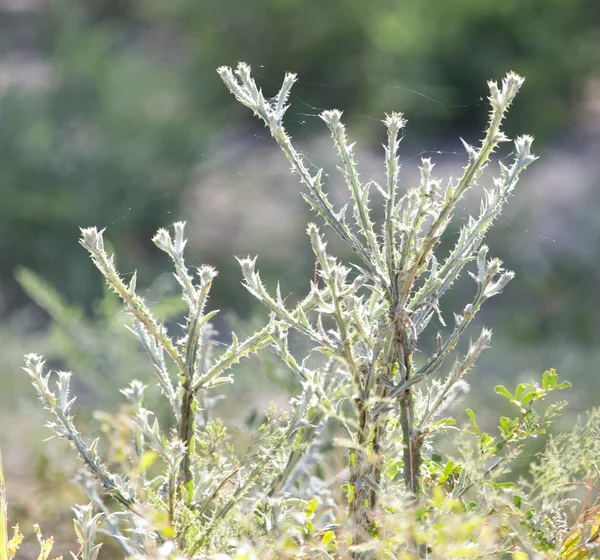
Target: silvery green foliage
(182, 491)
(86, 525)
(202, 478)
(59, 403)
(377, 312)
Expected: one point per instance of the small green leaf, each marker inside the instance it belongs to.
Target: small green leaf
(486, 442)
(312, 506)
(440, 425)
(522, 389)
(528, 398)
(502, 390)
(517, 500)
(474, 425)
(447, 471)
(507, 425)
(549, 379)
(350, 493)
(328, 536)
(563, 385)
(505, 485)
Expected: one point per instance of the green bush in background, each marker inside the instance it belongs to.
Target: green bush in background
(130, 106)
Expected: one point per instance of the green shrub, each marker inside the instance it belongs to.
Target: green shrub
(371, 459)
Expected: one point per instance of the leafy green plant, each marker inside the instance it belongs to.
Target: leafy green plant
(369, 460)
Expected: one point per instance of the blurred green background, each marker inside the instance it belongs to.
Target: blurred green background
(112, 114)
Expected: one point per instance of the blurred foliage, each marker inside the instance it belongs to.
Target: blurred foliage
(99, 346)
(385, 56)
(133, 103)
(113, 131)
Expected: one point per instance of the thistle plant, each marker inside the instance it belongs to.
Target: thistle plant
(196, 373)
(368, 386)
(380, 314)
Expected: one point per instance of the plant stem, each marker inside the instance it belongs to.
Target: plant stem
(359, 506)
(186, 431)
(188, 408)
(377, 433)
(410, 437)
(411, 442)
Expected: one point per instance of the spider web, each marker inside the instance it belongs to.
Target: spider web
(513, 230)
(303, 112)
